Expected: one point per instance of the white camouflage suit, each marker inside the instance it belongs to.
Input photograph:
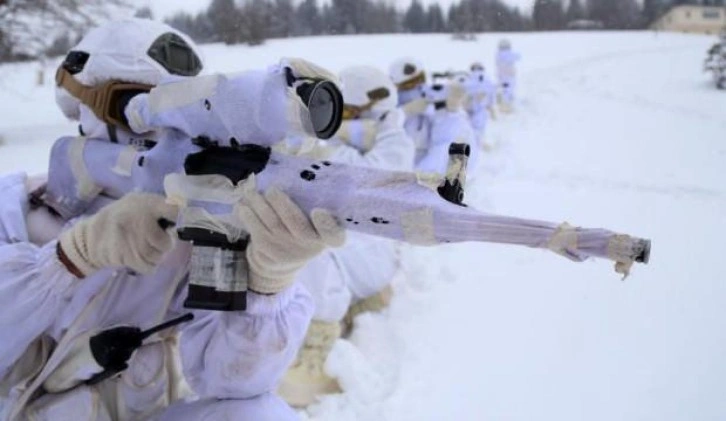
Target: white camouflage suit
(432, 130)
(506, 60)
(48, 312)
(219, 355)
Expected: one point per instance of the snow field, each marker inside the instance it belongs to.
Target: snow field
(616, 130)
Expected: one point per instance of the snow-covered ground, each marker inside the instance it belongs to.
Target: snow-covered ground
(613, 130)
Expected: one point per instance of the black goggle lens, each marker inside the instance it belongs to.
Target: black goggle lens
(175, 55)
(75, 61)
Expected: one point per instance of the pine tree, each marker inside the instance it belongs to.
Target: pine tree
(256, 20)
(344, 18)
(282, 18)
(328, 19)
(226, 19)
(575, 11)
(435, 18)
(548, 14)
(380, 18)
(415, 18)
(308, 19)
(652, 9)
(461, 19)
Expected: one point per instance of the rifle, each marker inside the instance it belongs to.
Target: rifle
(218, 133)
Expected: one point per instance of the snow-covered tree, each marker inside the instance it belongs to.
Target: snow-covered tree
(255, 21)
(415, 18)
(226, 20)
(28, 28)
(282, 18)
(308, 19)
(435, 18)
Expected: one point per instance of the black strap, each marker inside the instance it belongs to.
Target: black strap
(111, 129)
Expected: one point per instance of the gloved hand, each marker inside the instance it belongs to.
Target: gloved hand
(134, 232)
(282, 238)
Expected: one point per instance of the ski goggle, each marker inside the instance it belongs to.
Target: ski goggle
(175, 55)
(108, 100)
(412, 83)
(352, 112)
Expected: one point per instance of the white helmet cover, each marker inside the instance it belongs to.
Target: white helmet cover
(122, 50)
(360, 81)
(405, 69)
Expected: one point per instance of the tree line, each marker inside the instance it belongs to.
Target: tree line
(253, 21)
(31, 29)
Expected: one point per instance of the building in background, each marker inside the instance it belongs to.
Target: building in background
(692, 19)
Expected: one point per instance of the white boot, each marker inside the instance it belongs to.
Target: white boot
(306, 379)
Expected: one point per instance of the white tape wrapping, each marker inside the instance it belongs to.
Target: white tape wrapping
(564, 239)
(620, 250)
(180, 94)
(87, 188)
(418, 227)
(125, 162)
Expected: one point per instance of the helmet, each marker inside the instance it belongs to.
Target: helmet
(407, 73)
(505, 44)
(366, 88)
(129, 55)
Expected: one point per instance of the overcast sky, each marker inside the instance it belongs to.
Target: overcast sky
(164, 8)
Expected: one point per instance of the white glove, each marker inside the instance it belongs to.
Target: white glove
(282, 238)
(126, 233)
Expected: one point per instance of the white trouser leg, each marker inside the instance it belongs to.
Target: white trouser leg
(325, 283)
(267, 407)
